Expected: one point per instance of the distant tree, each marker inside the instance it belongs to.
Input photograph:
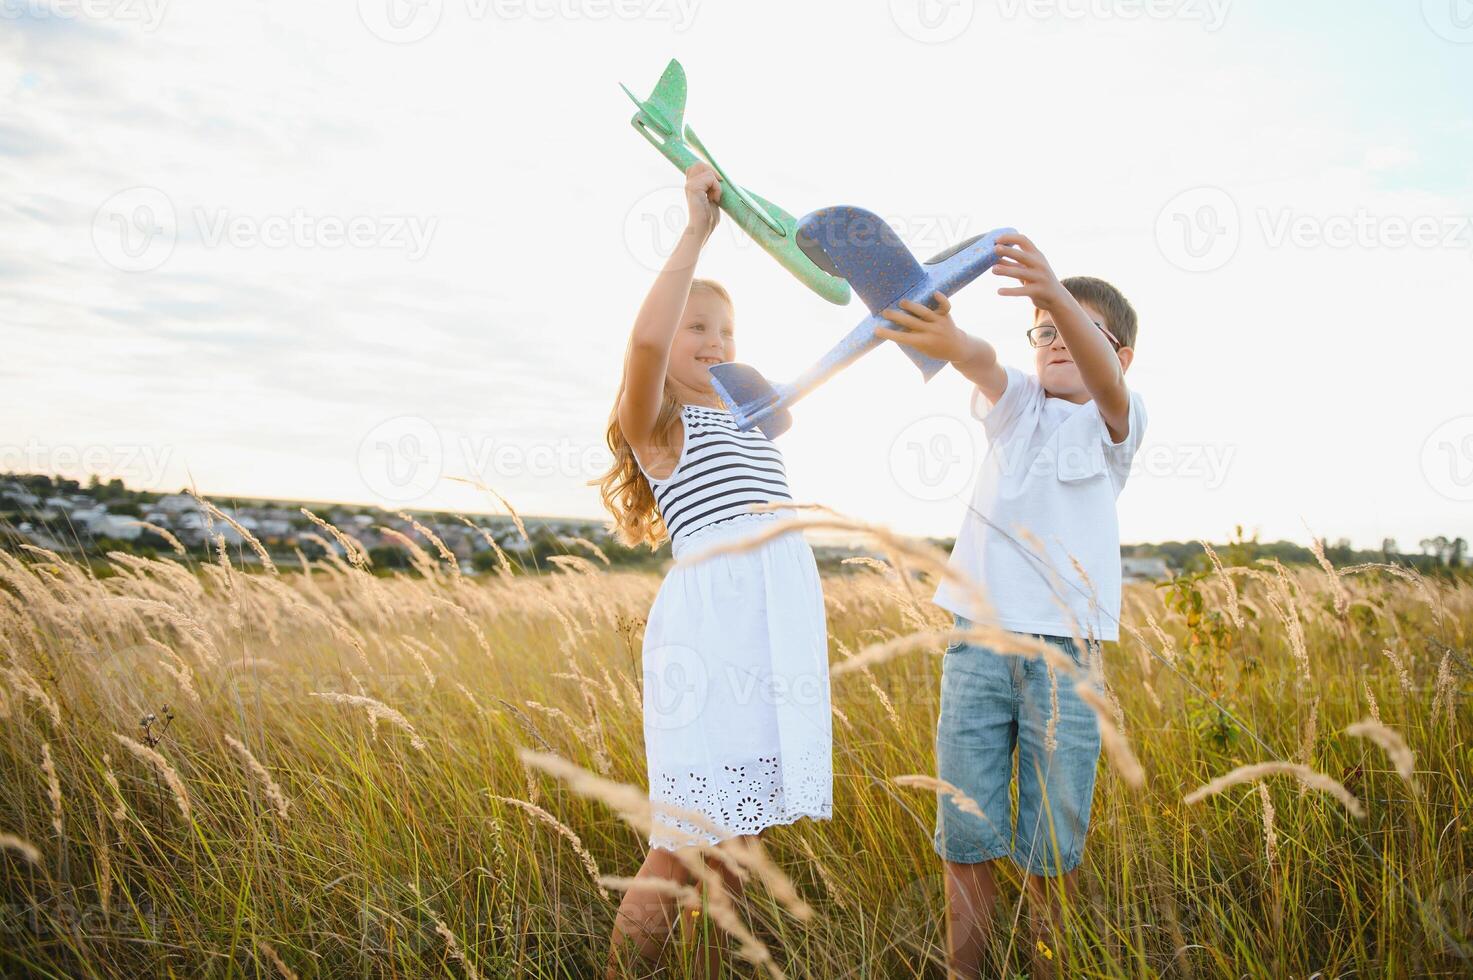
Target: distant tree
(389, 556)
(1433, 548)
(149, 541)
(1241, 549)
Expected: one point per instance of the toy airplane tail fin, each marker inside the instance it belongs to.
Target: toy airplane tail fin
(928, 365)
(750, 395)
(663, 113)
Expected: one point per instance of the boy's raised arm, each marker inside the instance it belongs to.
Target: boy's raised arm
(983, 369)
(1099, 367)
(933, 332)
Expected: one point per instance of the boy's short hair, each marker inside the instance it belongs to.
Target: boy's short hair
(1119, 314)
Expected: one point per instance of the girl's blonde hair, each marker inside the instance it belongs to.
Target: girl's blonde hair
(625, 491)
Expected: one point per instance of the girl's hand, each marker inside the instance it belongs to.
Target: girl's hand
(1020, 259)
(702, 191)
(932, 332)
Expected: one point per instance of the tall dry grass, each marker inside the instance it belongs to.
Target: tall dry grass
(432, 775)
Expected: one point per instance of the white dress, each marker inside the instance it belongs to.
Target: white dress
(737, 721)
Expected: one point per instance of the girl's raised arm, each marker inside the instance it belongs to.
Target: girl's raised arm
(659, 315)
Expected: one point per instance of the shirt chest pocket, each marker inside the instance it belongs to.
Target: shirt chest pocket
(1079, 455)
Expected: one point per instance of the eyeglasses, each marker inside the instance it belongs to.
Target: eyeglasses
(1045, 334)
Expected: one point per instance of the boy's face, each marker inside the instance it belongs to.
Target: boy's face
(1054, 365)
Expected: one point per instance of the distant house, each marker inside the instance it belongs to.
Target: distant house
(1144, 569)
(23, 498)
(116, 526)
(86, 517)
(177, 503)
(194, 528)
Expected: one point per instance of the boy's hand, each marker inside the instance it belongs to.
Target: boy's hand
(932, 332)
(1020, 259)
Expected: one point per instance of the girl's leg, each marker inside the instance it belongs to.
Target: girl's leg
(642, 924)
(705, 937)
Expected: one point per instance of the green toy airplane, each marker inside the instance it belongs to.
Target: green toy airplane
(660, 120)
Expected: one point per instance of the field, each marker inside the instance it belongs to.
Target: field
(418, 775)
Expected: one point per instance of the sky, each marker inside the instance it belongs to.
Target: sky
(367, 251)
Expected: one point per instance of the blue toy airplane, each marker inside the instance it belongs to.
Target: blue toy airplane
(860, 247)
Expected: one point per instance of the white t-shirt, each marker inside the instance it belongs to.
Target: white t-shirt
(1051, 470)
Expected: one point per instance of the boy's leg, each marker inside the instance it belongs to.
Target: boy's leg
(975, 737)
(1046, 900)
(1058, 750)
(971, 895)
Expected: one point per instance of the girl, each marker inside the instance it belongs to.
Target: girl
(737, 722)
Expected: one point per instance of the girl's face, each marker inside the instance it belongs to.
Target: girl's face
(706, 336)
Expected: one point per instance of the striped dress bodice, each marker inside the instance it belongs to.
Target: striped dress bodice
(720, 474)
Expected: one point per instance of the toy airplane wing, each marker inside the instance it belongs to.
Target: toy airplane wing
(856, 244)
(661, 121)
(862, 247)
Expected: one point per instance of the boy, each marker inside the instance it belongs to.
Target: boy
(1059, 450)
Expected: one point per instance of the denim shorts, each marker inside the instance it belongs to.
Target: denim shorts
(994, 705)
